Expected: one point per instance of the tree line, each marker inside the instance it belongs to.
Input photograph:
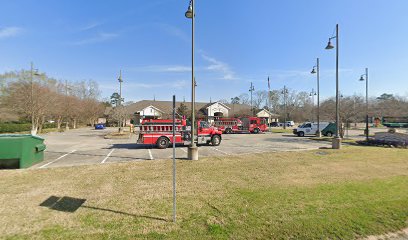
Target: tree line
(38, 98)
(301, 106)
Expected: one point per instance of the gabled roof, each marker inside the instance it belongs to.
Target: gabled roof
(267, 111)
(167, 106)
(155, 108)
(210, 104)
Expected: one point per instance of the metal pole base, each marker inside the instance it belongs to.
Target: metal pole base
(192, 153)
(318, 134)
(336, 143)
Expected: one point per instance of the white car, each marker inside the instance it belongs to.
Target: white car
(288, 124)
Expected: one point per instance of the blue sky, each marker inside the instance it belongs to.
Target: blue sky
(237, 41)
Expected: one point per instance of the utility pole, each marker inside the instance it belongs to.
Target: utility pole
(120, 101)
(251, 89)
(284, 92)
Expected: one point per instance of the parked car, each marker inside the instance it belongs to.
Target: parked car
(288, 124)
(274, 124)
(100, 126)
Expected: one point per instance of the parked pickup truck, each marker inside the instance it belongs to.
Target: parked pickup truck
(310, 128)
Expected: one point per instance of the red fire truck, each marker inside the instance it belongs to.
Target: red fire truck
(241, 125)
(160, 133)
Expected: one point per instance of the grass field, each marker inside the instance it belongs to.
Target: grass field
(320, 194)
(281, 130)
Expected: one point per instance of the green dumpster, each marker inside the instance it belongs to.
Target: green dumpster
(20, 150)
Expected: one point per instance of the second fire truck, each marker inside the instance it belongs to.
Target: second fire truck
(241, 125)
(159, 132)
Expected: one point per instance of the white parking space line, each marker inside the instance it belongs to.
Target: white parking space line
(216, 149)
(107, 156)
(184, 150)
(150, 154)
(43, 166)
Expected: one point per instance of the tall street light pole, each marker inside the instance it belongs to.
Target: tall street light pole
(120, 100)
(336, 143)
(366, 80)
(192, 149)
(251, 89)
(316, 70)
(32, 73)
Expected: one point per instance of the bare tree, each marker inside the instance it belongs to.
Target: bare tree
(244, 99)
(260, 99)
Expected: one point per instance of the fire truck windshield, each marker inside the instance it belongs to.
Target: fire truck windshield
(204, 125)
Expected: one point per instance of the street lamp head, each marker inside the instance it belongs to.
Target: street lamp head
(313, 70)
(189, 12)
(329, 45)
(362, 78)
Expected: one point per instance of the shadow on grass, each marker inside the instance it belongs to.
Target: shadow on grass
(71, 205)
(127, 214)
(63, 204)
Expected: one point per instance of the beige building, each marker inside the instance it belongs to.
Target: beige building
(269, 116)
(148, 109)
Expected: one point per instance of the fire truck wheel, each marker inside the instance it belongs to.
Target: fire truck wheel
(162, 143)
(215, 140)
(228, 131)
(256, 130)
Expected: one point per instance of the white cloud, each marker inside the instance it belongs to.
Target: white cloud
(100, 37)
(221, 67)
(176, 32)
(10, 32)
(90, 26)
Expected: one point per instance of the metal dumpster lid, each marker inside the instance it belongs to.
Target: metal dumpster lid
(20, 135)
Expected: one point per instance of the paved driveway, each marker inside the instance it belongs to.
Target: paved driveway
(88, 146)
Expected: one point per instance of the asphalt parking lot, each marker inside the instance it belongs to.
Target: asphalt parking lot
(87, 146)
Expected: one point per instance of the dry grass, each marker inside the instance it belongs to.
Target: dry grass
(317, 194)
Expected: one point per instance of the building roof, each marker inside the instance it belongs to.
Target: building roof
(167, 106)
(271, 114)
